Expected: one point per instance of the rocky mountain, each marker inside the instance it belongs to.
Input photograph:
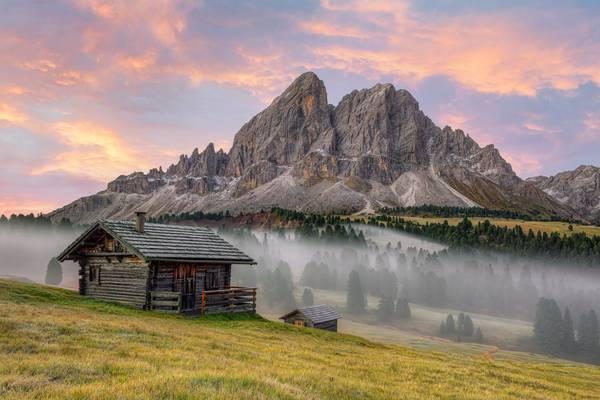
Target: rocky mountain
(579, 189)
(375, 148)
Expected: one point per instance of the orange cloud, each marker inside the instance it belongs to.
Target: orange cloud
(139, 63)
(326, 29)
(93, 151)
(13, 205)
(13, 90)
(10, 114)
(165, 20)
(40, 65)
(487, 53)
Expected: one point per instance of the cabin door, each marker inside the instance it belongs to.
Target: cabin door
(185, 283)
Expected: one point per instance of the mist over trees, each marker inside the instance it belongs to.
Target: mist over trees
(578, 247)
(54, 273)
(461, 328)
(307, 298)
(554, 331)
(473, 281)
(394, 270)
(31, 222)
(28, 242)
(355, 301)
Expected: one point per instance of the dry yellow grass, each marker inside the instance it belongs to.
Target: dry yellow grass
(542, 226)
(55, 345)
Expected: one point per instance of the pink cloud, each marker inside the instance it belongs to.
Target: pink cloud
(524, 164)
(93, 76)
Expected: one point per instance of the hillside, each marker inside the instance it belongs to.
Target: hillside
(53, 344)
(579, 189)
(375, 148)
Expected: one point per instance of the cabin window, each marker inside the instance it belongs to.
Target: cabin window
(212, 280)
(299, 322)
(95, 274)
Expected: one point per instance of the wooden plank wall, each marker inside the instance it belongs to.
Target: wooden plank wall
(328, 325)
(297, 317)
(224, 277)
(124, 281)
(163, 277)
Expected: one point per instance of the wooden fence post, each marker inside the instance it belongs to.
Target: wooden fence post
(203, 302)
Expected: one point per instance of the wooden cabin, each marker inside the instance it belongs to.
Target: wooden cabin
(320, 317)
(183, 269)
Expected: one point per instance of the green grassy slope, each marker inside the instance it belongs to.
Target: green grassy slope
(53, 344)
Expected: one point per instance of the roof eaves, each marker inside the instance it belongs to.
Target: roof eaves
(65, 253)
(296, 311)
(203, 260)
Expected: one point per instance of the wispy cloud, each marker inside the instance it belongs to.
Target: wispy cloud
(92, 151)
(108, 86)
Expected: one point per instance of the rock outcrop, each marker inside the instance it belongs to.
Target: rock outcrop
(375, 148)
(579, 189)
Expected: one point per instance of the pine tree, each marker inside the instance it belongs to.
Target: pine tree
(403, 308)
(307, 297)
(385, 309)
(593, 328)
(568, 339)
(478, 335)
(548, 326)
(355, 301)
(460, 321)
(54, 273)
(587, 332)
(450, 326)
(467, 327)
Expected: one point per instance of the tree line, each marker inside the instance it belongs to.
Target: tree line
(33, 222)
(555, 331)
(429, 210)
(388, 309)
(577, 247)
(462, 329)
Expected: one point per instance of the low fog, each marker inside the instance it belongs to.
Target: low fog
(398, 265)
(390, 264)
(25, 254)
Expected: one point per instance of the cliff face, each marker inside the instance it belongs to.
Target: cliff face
(579, 189)
(375, 148)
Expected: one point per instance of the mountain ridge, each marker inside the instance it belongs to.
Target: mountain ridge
(578, 188)
(375, 148)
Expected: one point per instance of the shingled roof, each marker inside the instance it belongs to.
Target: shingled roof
(167, 242)
(317, 314)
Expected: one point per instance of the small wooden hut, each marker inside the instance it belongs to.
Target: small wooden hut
(320, 316)
(183, 269)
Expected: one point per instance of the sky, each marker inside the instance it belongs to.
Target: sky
(93, 89)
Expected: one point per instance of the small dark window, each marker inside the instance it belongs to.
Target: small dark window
(95, 274)
(212, 280)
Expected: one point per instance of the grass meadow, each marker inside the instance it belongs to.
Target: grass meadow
(542, 226)
(56, 345)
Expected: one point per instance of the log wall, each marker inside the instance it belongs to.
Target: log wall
(163, 277)
(223, 276)
(122, 280)
(328, 325)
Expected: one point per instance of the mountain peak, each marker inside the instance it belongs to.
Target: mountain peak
(579, 188)
(376, 148)
(307, 76)
(306, 85)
